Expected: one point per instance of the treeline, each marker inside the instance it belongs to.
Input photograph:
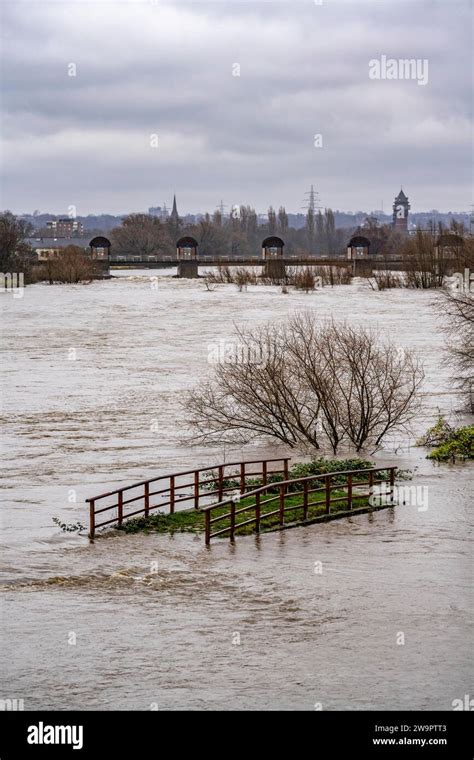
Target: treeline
(239, 235)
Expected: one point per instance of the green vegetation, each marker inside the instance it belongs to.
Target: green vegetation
(449, 444)
(193, 520)
(188, 520)
(317, 466)
(68, 527)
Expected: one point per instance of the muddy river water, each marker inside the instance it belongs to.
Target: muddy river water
(93, 382)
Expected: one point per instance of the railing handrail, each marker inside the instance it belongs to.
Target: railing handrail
(185, 472)
(281, 486)
(279, 483)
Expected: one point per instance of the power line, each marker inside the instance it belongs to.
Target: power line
(221, 206)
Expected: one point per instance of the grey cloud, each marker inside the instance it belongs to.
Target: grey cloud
(167, 68)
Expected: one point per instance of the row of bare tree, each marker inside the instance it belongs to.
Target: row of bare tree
(239, 234)
(427, 264)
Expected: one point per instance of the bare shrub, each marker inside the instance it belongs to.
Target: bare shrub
(223, 274)
(427, 264)
(422, 267)
(71, 266)
(366, 387)
(210, 281)
(315, 384)
(271, 279)
(385, 279)
(240, 276)
(310, 277)
(243, 277)
(259, 397)
(301, 278)
(332, 275)
(304, 279)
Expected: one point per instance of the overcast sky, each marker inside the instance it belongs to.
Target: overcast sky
(150, 67)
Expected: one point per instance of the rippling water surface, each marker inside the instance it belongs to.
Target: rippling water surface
(93, 377)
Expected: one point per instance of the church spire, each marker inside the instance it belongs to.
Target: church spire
(174, 213)
(174, 220)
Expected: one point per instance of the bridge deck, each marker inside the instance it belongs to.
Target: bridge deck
(228, 261)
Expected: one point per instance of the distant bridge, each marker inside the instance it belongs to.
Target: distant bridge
(166, 262)
(126, 260)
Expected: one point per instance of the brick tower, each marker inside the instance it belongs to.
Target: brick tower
(400, 213)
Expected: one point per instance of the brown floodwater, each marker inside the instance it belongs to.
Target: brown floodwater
(93, 379)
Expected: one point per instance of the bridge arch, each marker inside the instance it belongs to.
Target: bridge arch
(186, 248)
(272, 248)
(100, 247)
(358, 246)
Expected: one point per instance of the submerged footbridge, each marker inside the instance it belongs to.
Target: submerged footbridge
(238, 496)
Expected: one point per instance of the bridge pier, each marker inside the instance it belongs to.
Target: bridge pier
(101, 267)
(274, 269)
(188, 268)
(363, 267)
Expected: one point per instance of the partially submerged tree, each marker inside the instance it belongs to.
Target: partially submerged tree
(254, 393)
(365, 387)
(309, 385)
(73, 265)
(457, 308)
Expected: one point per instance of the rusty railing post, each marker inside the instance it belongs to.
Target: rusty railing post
(120, 508)
(257, 513)
(285, 469)
(371, 484)
(208, 526)
(392, 483)
(305, 500)
(349, 491)
(264, 473)
(221, 482)
(91, 518)
(282, 505)
(242, 477)
(328, 494)
(196, 489)
(171, 494)
(232, 519)
(147, 499)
